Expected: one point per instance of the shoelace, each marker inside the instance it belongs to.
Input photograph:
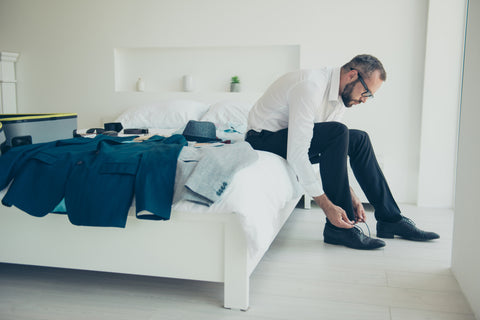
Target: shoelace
(408, 221)
(361, 230)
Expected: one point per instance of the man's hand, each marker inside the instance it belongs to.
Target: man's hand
(358, 209)
(336, 215)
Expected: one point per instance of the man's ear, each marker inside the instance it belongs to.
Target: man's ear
(352, 75)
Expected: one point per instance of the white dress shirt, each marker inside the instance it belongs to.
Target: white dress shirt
(298, 100)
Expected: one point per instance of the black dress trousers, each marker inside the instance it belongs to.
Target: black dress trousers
(332, 143)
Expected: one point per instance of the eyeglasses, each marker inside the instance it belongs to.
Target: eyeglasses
(367, 93)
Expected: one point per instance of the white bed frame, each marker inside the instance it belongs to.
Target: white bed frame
(209, 247)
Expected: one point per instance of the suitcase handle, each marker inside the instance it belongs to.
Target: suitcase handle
(21, 141)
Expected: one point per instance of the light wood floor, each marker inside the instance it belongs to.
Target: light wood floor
(299, 278)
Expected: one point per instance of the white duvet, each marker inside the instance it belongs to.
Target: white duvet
(256, 194)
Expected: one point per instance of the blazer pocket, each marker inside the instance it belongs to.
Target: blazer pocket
(118, 168)
(45, 158)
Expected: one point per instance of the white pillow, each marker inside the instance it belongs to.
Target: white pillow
(228, 115)
(165, 115)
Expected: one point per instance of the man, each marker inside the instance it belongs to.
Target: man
(297, 118)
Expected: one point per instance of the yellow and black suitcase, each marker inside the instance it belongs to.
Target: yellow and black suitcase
(22, 129)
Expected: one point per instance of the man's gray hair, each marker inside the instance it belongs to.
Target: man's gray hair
(366, 64)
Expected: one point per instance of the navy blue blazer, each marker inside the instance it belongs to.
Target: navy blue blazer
(40, 172)
(96, 177)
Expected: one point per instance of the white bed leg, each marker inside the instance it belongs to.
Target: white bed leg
(237, 278)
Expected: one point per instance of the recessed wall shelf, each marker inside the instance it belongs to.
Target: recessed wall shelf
(210, 68)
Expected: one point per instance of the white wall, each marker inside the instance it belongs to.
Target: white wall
(67, 55)
(441, 102)
(466, 251)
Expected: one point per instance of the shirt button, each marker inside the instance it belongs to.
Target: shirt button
(79, 163)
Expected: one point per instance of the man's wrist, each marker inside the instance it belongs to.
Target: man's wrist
(355, 199)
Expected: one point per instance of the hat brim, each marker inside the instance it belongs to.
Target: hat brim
(201, 139)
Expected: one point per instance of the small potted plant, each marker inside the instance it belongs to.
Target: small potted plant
(235, 84)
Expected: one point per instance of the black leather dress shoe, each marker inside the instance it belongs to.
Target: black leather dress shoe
(353, 238)
(404, 228)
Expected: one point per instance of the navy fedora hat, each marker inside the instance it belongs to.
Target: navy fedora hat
(200, 131)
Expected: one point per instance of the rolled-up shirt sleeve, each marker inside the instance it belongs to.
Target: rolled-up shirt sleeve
(303, 100)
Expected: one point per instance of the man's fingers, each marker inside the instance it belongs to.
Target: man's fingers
(342, 224)
(361, 217)
(338, 217)
(364, 216)
(345, 218)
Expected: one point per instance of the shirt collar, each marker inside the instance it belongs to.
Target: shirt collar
(334, 85)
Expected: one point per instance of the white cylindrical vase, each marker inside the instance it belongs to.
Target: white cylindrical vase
(140, 85)
(187, 83)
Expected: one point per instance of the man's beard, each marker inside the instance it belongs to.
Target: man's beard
(347, 94)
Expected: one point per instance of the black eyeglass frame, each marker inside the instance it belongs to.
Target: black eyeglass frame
(367, 93)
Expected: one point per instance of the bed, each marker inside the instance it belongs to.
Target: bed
(221, 243)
